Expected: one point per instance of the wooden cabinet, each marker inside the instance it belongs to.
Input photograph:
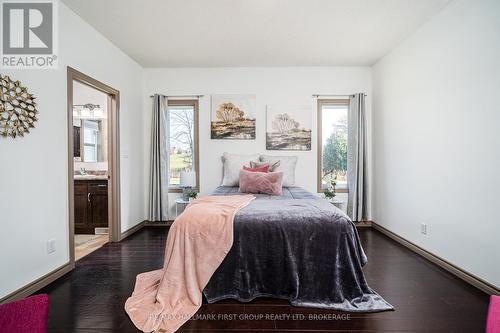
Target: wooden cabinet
(91, 205)
(81, 207)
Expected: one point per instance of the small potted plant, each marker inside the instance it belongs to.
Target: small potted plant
(191, 194)
(330, 191)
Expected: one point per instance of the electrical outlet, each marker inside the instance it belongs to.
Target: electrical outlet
(423, 228)
(51, 246)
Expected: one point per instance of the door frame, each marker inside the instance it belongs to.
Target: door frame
(114, 219)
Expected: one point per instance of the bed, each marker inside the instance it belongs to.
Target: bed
(297, 247)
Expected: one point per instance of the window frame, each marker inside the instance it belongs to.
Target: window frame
(321, 103)
(196, 154)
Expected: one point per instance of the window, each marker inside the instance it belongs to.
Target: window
(90, 142)
(183, 140)
(332, 143)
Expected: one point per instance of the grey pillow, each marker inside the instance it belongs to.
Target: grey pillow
(232, 164)
(272, 165)
(287, 165)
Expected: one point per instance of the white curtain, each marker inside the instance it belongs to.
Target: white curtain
(158, 193)
(357, 159)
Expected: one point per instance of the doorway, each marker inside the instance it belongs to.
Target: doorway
(93, 164)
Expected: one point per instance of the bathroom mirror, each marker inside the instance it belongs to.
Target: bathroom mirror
(89, 137)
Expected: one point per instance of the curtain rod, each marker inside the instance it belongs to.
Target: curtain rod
(197, 96)
(334, 95)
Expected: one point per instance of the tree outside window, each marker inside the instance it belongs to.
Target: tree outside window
(182, 141)
(333, 144)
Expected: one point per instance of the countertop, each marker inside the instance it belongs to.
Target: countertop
(90, 177)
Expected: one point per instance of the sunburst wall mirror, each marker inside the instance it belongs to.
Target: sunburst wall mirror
(18, 112)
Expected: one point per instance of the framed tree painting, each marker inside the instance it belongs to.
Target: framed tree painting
(233, 117)
(288, 128)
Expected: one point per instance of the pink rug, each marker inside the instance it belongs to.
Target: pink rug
(29, 315)
(493, 322)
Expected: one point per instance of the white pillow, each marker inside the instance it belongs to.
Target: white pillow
(232, 164)
(287, 165)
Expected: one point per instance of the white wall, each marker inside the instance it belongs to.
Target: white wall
(273, 86)
(33, 169)
(436, 137)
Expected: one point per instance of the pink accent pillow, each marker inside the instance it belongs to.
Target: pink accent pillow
(260, 182)
(493, 321)
(262, 168)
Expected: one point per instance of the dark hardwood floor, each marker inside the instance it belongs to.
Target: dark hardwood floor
(427, 299)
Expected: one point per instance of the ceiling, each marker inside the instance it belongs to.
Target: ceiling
(225, 33)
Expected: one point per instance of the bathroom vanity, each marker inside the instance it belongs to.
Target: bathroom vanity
(91, 203)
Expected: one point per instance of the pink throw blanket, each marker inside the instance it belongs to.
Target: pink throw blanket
(197, 243)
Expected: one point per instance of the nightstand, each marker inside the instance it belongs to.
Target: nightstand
(339, 203)
(180, 205)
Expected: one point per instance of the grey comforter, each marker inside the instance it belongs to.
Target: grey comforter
(296, 247)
